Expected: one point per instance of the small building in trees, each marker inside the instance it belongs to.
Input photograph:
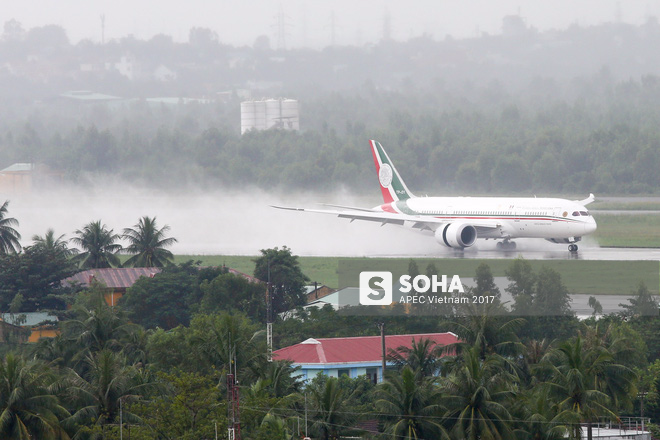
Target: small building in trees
(114, 280)
(21, 178)
(13, 333)
(117, 280)
(356, 356)
(36, 325)
(315, 292)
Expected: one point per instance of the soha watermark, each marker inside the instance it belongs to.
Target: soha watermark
(376, 288)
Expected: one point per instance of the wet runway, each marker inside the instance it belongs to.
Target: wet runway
(545, 252)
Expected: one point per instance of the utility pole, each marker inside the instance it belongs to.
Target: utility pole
(381, 325)
(233, 408)
(102, 29)
(121, 420)
(269, 316)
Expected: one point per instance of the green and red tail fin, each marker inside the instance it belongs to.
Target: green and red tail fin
(391, 183)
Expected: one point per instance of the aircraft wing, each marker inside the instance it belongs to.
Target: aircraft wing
(420, 222)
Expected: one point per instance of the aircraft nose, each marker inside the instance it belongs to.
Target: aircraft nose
(590, 227)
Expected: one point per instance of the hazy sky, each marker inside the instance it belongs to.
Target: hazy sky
(310, 23)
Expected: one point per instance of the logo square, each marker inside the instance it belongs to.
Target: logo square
(376, 288)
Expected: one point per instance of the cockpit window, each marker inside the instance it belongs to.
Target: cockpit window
(575, 214)
(584, 213)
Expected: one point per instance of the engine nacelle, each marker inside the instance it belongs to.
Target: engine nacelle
(456, 235)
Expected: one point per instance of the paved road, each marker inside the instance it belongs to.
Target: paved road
(579, 302)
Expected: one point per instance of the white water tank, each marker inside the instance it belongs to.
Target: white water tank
(290, 115)
(253, 115)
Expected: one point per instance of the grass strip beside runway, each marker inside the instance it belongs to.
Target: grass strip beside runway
(588, 277)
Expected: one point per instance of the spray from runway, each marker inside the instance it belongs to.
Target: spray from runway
(215, 222)
(240, 222)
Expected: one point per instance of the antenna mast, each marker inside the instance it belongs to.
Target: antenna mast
(269, 315)
(233, 397)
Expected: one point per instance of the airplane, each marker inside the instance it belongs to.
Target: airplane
(457, 222)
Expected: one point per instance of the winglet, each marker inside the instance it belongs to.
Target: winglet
(586, 201)
(391, 184)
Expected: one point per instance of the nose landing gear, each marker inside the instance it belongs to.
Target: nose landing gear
(572, 247)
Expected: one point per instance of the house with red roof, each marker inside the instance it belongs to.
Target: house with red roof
(354, 357)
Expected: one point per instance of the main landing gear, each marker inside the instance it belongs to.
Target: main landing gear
(506, 245)
(572, 247)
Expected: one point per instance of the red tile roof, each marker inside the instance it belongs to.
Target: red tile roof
(360, 349)
(114, 278)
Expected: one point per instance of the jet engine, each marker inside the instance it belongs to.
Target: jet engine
(456, 235)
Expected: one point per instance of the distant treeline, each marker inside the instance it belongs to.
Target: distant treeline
(441, 140)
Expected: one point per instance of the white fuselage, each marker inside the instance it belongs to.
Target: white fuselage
(497, 218)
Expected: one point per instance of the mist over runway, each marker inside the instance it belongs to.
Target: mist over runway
(231, 222)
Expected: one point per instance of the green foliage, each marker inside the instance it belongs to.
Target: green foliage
(164, 300)
(587, 383)
(409, 405)
(188, 407)
(99, 248)
(9, 237)
(35, 274)
(642, 304)
(232, 292)
(29, 406)
(542, 293)
(485, 282)
(282, 269)
(328, 404)
(478, 394)
(147, 244)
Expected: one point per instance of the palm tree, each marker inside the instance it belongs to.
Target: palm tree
(57, 245)
(99, 247)
(477, 394)
(537, 416)
(327, 400)
(107, 384)
(8, 235)
(29, 407)
(409, 405)
(422, 357)
(484, 329)
(101, 328)
(147, 244)
(585, 383)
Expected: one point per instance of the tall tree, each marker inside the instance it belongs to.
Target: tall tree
(36, 274)
(57, 244)
(478, 393)
(585, 382)
(8, 235)
(327, 401)
(29, 407)
(99, 246)
(410, 406)
(282, 269)
(106, 384)
(423, 357)
(148, 243)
